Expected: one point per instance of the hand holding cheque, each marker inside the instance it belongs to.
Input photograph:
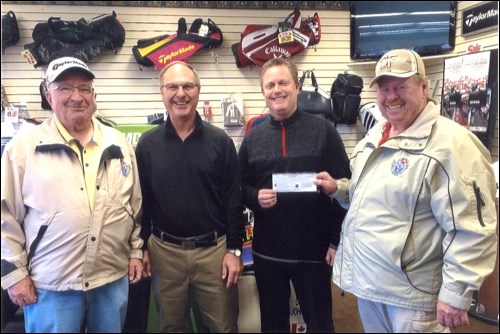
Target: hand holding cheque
(296, 182)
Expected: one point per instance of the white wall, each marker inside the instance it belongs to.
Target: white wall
(127, 94)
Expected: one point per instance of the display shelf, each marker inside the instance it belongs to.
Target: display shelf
(373, 62)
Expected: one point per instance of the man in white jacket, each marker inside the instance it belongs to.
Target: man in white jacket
(419, 237)
(71, 204)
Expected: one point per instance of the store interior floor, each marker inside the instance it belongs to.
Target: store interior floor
(344, 312)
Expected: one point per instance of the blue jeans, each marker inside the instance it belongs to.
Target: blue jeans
(101, 310)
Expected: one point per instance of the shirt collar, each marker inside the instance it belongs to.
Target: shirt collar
(96, 136)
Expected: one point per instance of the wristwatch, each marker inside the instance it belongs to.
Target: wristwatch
(235, 252)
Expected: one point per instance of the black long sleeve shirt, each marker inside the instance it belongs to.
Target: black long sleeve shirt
(302, 225)
(190, 187)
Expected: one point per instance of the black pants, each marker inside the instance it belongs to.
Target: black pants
(136, 320)
(9, 309)
(311, 282)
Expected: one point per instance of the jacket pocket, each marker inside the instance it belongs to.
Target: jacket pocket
(479, 202)
(45, 222)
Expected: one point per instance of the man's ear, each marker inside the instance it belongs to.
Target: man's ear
(43, 91)
(48, 99)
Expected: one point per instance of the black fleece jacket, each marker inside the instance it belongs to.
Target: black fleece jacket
(302, 225)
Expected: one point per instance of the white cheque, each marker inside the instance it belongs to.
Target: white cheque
(294, 182)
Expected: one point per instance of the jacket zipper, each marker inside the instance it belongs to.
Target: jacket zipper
(479, 202)
(283, 139)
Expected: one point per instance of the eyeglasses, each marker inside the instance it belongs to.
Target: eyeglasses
(174, 87)
(69, 90)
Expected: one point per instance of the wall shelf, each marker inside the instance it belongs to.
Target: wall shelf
(373, 62)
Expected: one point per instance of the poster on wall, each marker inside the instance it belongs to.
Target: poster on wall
(232, 110)
(134, 131)
(467, 92)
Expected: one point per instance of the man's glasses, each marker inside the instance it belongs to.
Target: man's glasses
(69, 90)
(174, 87)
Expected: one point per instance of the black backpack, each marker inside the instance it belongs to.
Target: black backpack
(10, 30)
(345, 93)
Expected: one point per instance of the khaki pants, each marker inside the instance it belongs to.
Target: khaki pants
(179, 273)
(384, 318)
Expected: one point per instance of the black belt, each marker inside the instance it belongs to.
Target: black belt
(204, 240)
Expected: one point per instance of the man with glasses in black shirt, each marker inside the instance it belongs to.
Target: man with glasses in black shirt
(193, 221)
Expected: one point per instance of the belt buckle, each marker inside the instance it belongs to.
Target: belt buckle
(189, 244)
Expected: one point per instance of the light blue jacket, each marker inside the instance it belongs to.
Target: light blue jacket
(422, 222)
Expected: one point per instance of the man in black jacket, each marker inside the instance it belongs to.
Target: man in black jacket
(296, 229)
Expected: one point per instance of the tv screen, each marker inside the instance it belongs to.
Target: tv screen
(427, 27)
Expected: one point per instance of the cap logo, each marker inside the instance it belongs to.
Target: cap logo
(56, 66)
(388, 60)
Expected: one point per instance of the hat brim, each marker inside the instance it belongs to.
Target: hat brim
(75, 69)
(392, 74)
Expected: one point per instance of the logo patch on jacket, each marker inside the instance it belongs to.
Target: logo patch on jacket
(125, 168)
(398, 167)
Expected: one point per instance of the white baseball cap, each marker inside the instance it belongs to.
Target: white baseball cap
(64, 65)
(399, 63)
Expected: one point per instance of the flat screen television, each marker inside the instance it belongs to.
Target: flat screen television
(427, 27)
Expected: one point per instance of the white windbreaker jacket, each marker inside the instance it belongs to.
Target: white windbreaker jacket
(43, 185)
(422, 222)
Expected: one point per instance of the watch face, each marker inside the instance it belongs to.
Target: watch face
(235, 252)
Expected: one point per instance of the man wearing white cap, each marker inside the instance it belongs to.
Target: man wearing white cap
(419, 237)
(71, 202)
